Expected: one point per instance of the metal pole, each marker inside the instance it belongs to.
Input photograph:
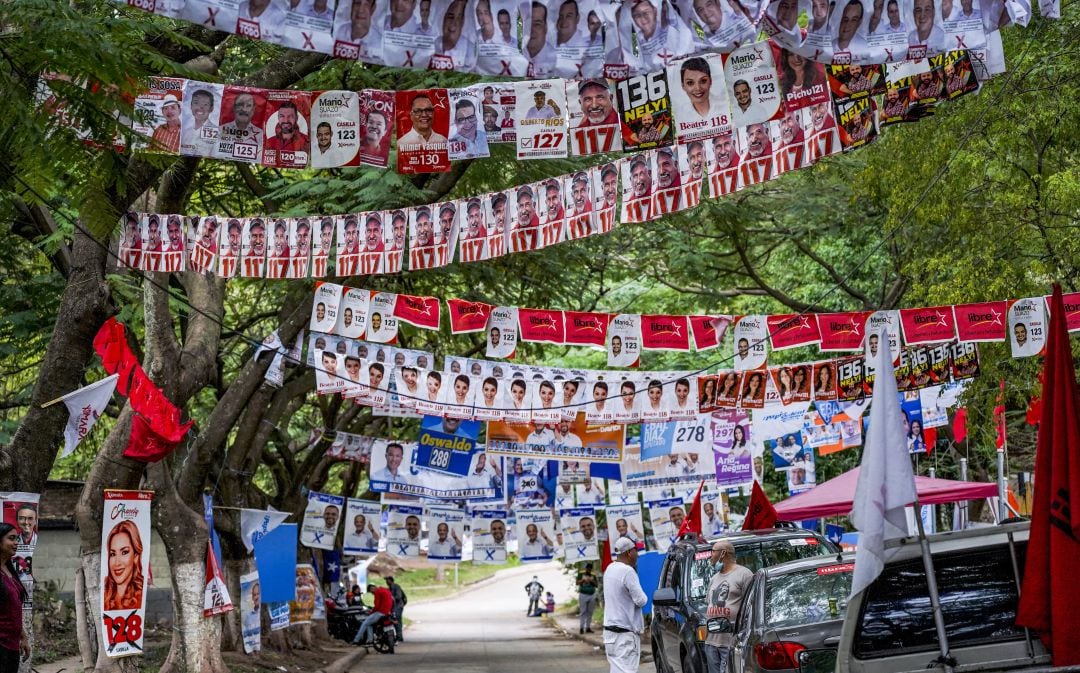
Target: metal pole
(945, 660)
(933, 508)
(1003, 498)
(963, 505)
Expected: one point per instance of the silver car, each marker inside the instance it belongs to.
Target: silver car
(791, 608)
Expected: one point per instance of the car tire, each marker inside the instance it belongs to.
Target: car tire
(688, 664)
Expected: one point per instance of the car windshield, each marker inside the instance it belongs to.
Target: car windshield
(753, 554)
(809, 596)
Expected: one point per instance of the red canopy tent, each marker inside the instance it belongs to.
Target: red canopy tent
(834, 497)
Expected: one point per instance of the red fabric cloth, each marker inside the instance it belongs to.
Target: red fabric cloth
(761, 513)
(1050, 592)
(10, 612)
(384, 600)
(692, 522)
(605, 555)
(999, 417)
(959, 425)
(111, 346)
(147, 444)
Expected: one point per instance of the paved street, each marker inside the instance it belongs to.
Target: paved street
(485, 630)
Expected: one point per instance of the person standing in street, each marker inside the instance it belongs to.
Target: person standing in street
(725, 597)
(14, 644)
(400, 601)
(587, 585)
(535, 590)
(623, 600)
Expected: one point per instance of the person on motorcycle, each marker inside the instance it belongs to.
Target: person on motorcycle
(400, 601)
(384, 605)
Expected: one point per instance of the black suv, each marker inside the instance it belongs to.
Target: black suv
(679, 603)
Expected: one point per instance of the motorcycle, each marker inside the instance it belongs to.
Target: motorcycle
(343, 621)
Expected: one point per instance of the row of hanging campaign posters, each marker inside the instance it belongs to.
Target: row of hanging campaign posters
(757, 89)
(587, 38)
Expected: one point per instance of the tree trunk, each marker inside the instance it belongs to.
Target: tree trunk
(195, 640)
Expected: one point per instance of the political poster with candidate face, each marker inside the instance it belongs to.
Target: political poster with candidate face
(645, 111)
(720, 24)
(403, 531)
(624, 340)
(354, 36)
(802, 81)
(605, 187)
(535, 532)
(350, 446)
(251, 612)
(732, 447)
(299, 242)
(288, 131)
(666, 516)
(691, 160)
(362, 521)
(626, 403)
(202, 243)
(626, 521)
(722, 155)
(489, 536)
(750, 336)
(638, 187)
(857, 123)
(468, 140)
(321, 518)
(302, 608)
(668, 193)
(753, 86)
(125, 571)
(455, 44)
(876, 322)
(426, 247)
(241, 124)
(423, 121)
(324, 309)
(158, 114)
(699, 99)
(497, 49)
(570, 440)
(335, 120)
(578, 38)
(309, 27)
(757, 164)
(199, 119)
(789, 148)
(851, 376)
(965, 361)
(1027, 326)
(578, 206)
(352, 312)
(579, 531)
(594, 121)
(253, 248)
(21, 510)
(540, 119)
(446, 529)
(502, 332)
(447, 444)
(431, 399)
(278, 255)
(382, 326)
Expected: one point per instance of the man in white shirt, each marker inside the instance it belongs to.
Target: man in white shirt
(446, 545)
(545, 109)
(467, 141)
(623, 600)
(538, 544)
(484, 475)
(422, 136)
(392, 472)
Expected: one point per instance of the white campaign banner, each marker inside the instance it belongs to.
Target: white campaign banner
(125, 570)
(251, 612)
(321, 518)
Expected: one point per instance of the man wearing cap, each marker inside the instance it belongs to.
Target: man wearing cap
(725, 596)
(167, 136)
(624, 598)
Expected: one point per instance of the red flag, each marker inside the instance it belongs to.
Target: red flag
(586, 329)
(147, 445)
(605, 555)
(791, 330)
(999, 416)
(842, 331)
(708, 330)
(959, 425)
(980, 322)
(467, 316)
(761, 514)
(1072, 311)
(1034, 410)
(419, 311)
(692, 522)
(111, 345)
(1050, 592)
(538, 324)
(665, 332)
(927, 325)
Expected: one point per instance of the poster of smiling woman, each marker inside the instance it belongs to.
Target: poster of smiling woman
(125, 570)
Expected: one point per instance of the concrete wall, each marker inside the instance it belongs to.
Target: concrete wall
(57, 557)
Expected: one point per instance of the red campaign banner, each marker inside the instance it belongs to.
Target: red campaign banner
(980, 322)
(1072, 310)
(423, 121)
(708, 330)
(842, 331)
(538, 324)
(665, 332)
(467, 316)
(789, 331)
(933, 324)
(586, 329)
(419, 311)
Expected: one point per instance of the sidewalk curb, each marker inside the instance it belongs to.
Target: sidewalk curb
(344, 663)
(596, 639)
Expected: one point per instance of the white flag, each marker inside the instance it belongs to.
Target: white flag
(85, 406)
(255, 523)
(886, 483)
